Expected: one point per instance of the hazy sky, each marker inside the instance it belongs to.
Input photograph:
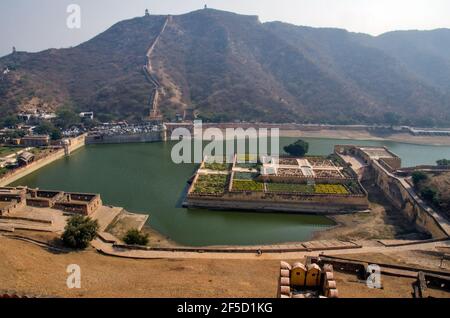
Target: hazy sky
(34, 25)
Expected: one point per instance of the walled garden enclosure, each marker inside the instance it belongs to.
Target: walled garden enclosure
(285, 184)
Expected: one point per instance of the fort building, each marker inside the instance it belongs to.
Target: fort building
(35, 141)
(383, 167)
(11, 199)
(77, 203)
(43, 199)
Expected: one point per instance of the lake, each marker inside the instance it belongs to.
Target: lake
(142, 178)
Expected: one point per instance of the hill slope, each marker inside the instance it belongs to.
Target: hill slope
(232, 67)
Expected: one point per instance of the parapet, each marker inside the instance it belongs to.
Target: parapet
(306, 281)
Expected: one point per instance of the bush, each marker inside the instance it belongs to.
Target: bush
(56, 134)
(79, 232)
(297, 149)
(418, 177)
(9, 122)
(135, 237)
(443, 162)
(47, 128)
(429, 194)
(67, 118)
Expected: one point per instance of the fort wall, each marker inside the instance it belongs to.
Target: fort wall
(74, 144)
(285, 202)
(80, 203)
(128, 138)
(410, 205)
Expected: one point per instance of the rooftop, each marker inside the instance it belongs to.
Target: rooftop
(11, 191)
(377, 152)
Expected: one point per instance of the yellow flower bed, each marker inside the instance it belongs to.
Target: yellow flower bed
(330, 189)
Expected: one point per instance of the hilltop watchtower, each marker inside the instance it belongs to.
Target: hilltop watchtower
(147, 13)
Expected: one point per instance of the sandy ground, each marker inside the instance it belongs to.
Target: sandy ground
(366, 135)
(29, 269)
(382, 222)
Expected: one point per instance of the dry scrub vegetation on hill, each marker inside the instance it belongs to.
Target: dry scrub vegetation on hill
(441, 183)
(233, 67)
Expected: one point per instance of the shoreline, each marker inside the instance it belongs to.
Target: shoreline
(382, 222)
(157, 239)
(366, 135)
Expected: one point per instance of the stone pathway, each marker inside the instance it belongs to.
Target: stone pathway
(109, 249)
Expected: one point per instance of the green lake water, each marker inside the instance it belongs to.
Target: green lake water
(142, 178)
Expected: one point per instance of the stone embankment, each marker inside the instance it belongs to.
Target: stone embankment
(74, 144)
(126, 138)
(276, 252)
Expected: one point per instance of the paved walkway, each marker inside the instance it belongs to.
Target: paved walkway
(105, 215)
(108, 249)
(35, 219)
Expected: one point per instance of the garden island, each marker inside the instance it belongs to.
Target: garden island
(308, 184)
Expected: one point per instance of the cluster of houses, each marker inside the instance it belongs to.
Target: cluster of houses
(123, 128)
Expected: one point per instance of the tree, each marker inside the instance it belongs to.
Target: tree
(66, 118)
(135, 237)
(79, 232)
(429, 194)
(392, 118)
(418, 177)
(56, 134)
(47, 128)
(15, 134)
(298, 148)
(443, 162)
(9, 121)
(90, 123)
(44, 128)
